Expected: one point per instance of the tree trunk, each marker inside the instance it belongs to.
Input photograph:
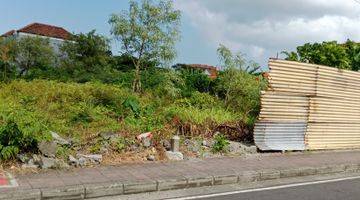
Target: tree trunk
(137, 79)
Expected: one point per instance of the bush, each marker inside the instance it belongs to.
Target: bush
(13, 141)
(221, 144)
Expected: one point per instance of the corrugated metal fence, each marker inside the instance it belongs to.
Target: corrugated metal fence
(309, 107)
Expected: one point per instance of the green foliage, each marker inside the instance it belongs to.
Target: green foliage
(230, 60)
(195, 80)
(147, 32)
(122, 143)
(13, 140)
(342, 56)
(87, 56)
(7, 57)
(33, 53)
(221, 144)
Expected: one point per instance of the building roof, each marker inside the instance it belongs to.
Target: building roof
(43, 30)
(202, 66)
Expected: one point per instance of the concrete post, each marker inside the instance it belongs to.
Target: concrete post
(175, 143)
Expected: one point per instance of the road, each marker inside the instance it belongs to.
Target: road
(348, 189)
(337, 187)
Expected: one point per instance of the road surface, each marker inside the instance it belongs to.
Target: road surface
(337, 187)
(337, 190)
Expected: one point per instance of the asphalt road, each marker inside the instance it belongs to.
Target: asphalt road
(339, 190)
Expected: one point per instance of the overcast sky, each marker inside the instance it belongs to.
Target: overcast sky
(258, 28)
(262, 28)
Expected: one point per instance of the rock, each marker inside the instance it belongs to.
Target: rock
(108, 135)
(134, 148)
(23, 158)
(93, 158)
(150, 158)
(47, 163)
(166, 144)
(36, 159)
(29, 166)
(48, 148)
(60, 164)
(146, 142)
(194, 146)
(59, 140)
(73, 161)
(103, 150)
(82, 162)
(174, 155)
(207, 143)
(240, 148)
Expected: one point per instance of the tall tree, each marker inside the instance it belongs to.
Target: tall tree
(325, 53)
(86, 52)
(147, 32)
(33, 53)
(7, 57)
(236, 60)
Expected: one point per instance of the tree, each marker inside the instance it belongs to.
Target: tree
(7, 57)
(87, 53)
(353, 53)
(325, 53)
(33, 53)
(147, 33)
(236, 61)
(238, 85)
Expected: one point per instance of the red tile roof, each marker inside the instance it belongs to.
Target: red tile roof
(43, 30)
(202, 66)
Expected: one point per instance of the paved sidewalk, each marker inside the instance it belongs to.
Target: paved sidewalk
(160, 174)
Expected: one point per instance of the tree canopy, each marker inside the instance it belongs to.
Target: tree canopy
(343, 56)
(147, 32)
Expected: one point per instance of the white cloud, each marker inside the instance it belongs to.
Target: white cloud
(261, 28)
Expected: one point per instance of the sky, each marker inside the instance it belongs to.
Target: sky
(260, 29)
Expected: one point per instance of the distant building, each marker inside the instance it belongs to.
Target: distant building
(56, 35)
(209, 70)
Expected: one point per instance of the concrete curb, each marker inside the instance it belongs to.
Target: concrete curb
(120, 188)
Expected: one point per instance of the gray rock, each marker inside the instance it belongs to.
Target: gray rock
(108, 135)
(93, 158)
(150, 158)
(48, 163)
(60, 164)
(103, 150)
(146, 142)
(208, 143)
(58, 139)
(240, 148)
(82, 162)
(194, 146)
(73, 161)
(166, 144)
(23, 158)
(174, 155)
(29, 166)
(48, 148)
(36, 159)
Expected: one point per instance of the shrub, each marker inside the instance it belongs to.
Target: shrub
(13, 141)
(221, 144)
